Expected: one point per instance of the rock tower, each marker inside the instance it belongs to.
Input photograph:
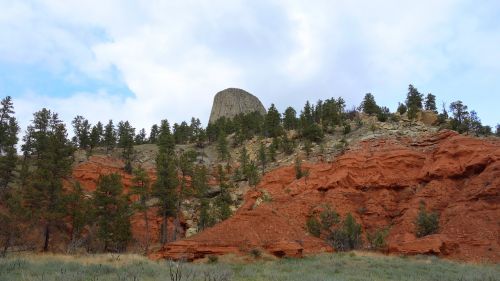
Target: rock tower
(233, 101)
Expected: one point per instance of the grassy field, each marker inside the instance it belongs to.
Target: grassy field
(350, 266)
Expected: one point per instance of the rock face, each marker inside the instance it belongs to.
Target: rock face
(232, 101)
(382, 183)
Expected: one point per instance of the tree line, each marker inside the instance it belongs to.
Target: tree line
(37, 191)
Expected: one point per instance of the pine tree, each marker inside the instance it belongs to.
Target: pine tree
(306, 117)
(164, 189)
(332, 112)
(222, 146)
(79, 212)
(460, 116)
(413, 102)
(200, 181)
(430, 103)
(112, 213)
(8, 141)
(140, 138)
(273, 126)
(81, 128)
(252, 174)
(262, 157)
(96, 135)
(369, 105)
(474, 123)
(244, 161)
(142, 189)
(109, 138)
(196, 129)
(49, 153)
(153, 134)
(126, 143)
(273, 148)
(290, 121)
(401, 108)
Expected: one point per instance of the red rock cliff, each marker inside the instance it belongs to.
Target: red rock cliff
(381, 182)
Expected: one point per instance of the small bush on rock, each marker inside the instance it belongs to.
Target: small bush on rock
(347, 237)
(313, 226)
(427, 223)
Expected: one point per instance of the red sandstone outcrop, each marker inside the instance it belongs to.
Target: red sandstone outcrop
(382, 183)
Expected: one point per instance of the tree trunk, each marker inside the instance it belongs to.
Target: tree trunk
(6, 245)
(146, 220)
(47, 237)
(164, 229)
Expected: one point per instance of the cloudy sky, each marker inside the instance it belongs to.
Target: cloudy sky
(144, 61)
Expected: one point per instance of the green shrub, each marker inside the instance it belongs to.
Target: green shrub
(376, 239)
(213, 259)
(347, 237)
(347, 129)
(256, 253)
(329, 218)
(427, 223)
(298, 168)
(313, 226)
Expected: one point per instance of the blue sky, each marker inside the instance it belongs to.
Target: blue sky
(144, 61)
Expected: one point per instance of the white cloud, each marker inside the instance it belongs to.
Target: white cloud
(175, 55)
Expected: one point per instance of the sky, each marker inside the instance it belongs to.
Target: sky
(144, 61)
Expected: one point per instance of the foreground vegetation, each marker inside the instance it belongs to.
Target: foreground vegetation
(338, 266)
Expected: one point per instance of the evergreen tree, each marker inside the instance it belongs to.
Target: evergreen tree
(369, 105)
(167, 181)
(273, 148)
(222, 146)
(126, 143)
(401, 108)
(81, 128)
(460, 116)
(140, 138)
(308, 128)
(223, 200)
(252, 174)
(332, 112)
(196, 129)
(430, 103)
(200, 180)
(8, 141)
(49, 153)
(474, 123)
(109, 138)
(299, 173)
(413, 102)
(112, 213)
(142, 189)
(273, 126)
(205, 220)
(262, 157)
(96, 135)
(307, 147)
(497, 130)
(290, 121)
(79, 212)
(306, 117)
(182, 133)
(383, 114)
(244, 160)
(153, 134)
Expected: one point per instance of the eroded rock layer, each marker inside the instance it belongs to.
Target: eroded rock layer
(382, 183)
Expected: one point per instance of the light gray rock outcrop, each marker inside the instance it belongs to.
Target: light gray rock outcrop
(232, 101)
